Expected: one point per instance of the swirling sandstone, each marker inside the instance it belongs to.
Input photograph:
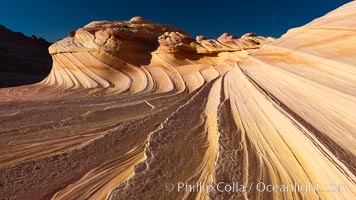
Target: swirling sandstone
(131, 106)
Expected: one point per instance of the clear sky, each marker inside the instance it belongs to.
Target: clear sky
(52, 19)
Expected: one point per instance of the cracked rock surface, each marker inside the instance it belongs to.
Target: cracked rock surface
(133, 109)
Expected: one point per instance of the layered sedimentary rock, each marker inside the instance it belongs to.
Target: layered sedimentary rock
(139, 110)
(23, 60)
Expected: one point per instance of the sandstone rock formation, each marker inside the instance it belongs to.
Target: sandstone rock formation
(23, 60)
(131, 109)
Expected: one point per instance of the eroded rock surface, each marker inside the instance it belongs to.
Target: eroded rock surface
(132, 109)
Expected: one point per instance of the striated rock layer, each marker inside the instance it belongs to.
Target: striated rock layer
(139, 110)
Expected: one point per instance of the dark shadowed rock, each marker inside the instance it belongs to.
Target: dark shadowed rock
(23, 60)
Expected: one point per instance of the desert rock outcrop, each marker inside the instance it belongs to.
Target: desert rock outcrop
(24, 60)
(133, 109)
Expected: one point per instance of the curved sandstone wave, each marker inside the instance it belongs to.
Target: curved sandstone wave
(139, 110)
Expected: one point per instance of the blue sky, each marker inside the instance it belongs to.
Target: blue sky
(53, 19)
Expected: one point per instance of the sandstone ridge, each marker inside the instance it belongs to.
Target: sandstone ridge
(132, 109)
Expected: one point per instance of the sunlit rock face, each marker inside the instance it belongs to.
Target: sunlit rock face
(139, 110)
